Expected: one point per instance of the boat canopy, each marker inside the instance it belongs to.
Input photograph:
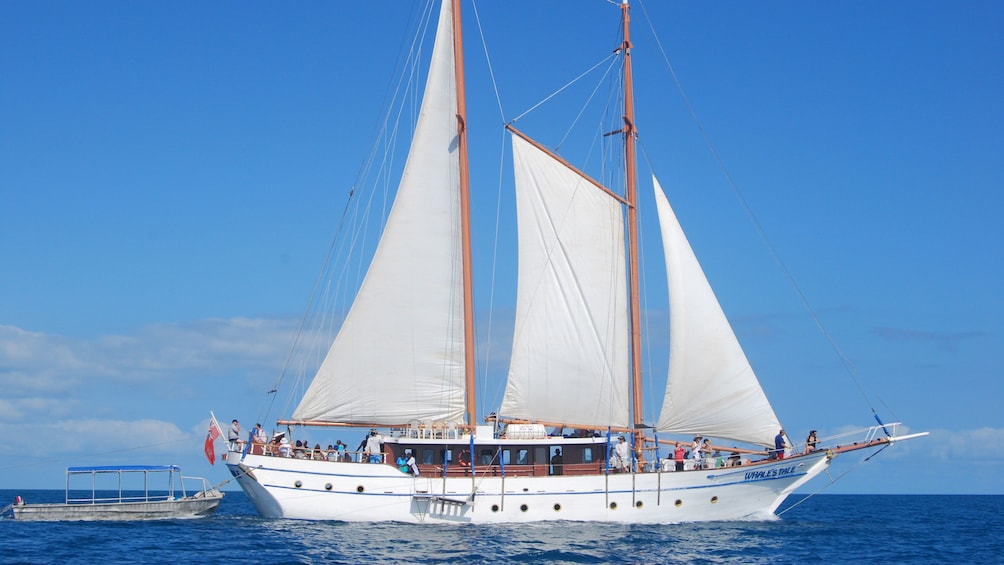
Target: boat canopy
(119, 468)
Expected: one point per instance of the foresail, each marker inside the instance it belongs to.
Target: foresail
(569, 359)
(711, 389)
(399, 355)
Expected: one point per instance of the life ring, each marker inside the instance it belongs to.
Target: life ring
(464, 458)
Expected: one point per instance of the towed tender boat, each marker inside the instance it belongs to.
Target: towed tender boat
(124, 492)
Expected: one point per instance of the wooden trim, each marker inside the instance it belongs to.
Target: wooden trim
(568, 165)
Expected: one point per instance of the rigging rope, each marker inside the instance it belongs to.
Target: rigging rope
(498, 221)
(848, 365)
(386, 129)
(567, 85)
(833, 481)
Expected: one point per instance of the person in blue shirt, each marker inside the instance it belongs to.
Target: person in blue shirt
(779, 446)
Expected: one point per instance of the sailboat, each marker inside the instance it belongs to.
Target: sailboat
(568, 440)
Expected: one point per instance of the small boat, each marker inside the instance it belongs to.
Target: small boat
(127, 501)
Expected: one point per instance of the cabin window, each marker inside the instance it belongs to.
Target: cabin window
(506, 457)
(587, 455)
(486, 456)
(446, 455)
(428, 457)
(523, 457)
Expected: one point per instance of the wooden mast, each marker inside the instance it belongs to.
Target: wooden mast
(465, 217)
(631, 193)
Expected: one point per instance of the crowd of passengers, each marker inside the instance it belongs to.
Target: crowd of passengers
(701, 453)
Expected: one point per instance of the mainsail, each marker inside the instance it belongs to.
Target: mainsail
(399, 355)
(569, 359)
(711, 389)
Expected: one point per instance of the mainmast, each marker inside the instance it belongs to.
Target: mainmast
(631, 193)
(465, 216)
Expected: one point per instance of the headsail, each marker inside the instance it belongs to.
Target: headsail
(711, 389)
(399, 355)
(570, 346)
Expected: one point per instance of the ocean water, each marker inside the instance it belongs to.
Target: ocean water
(822, 529)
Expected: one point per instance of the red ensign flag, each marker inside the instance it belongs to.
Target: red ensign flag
(211, 436)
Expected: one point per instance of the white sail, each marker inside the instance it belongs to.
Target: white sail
(569, 359)
(399, 355)
(711, 389)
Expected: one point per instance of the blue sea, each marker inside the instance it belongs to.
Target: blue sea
(821, 529)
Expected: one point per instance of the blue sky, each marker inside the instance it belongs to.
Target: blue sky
(171, 175)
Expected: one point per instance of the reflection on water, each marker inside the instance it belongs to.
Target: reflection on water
(553, 542)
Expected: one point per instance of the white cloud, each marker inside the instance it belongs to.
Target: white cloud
(37, 364)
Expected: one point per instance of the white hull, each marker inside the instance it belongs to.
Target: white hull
(321, 490)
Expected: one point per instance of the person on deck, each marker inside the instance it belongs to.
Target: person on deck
(706, 452)
(557, 462)
(412, 464)
(259, 440)
(234, 435)
(810, 442)
(695, 452)
(374, 447)
(364, 455)
(622, 455)
(779, 446)
(678, 456)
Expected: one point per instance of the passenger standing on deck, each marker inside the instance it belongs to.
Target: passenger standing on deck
(364, 456)
(234, 435)
(779, 446)
(678, 456)
(695, 452)
(374, 447)
(557, 463)
(622, 454)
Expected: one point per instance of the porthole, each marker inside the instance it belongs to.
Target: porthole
(638, 504)
(557, 507)
(613, 506)
(360, 488)
(495, 507)
(327, 486)
(678, 502)
(524, 507)
(714, 499)
(298, 484)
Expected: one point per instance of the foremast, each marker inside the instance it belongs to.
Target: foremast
(465, 217)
